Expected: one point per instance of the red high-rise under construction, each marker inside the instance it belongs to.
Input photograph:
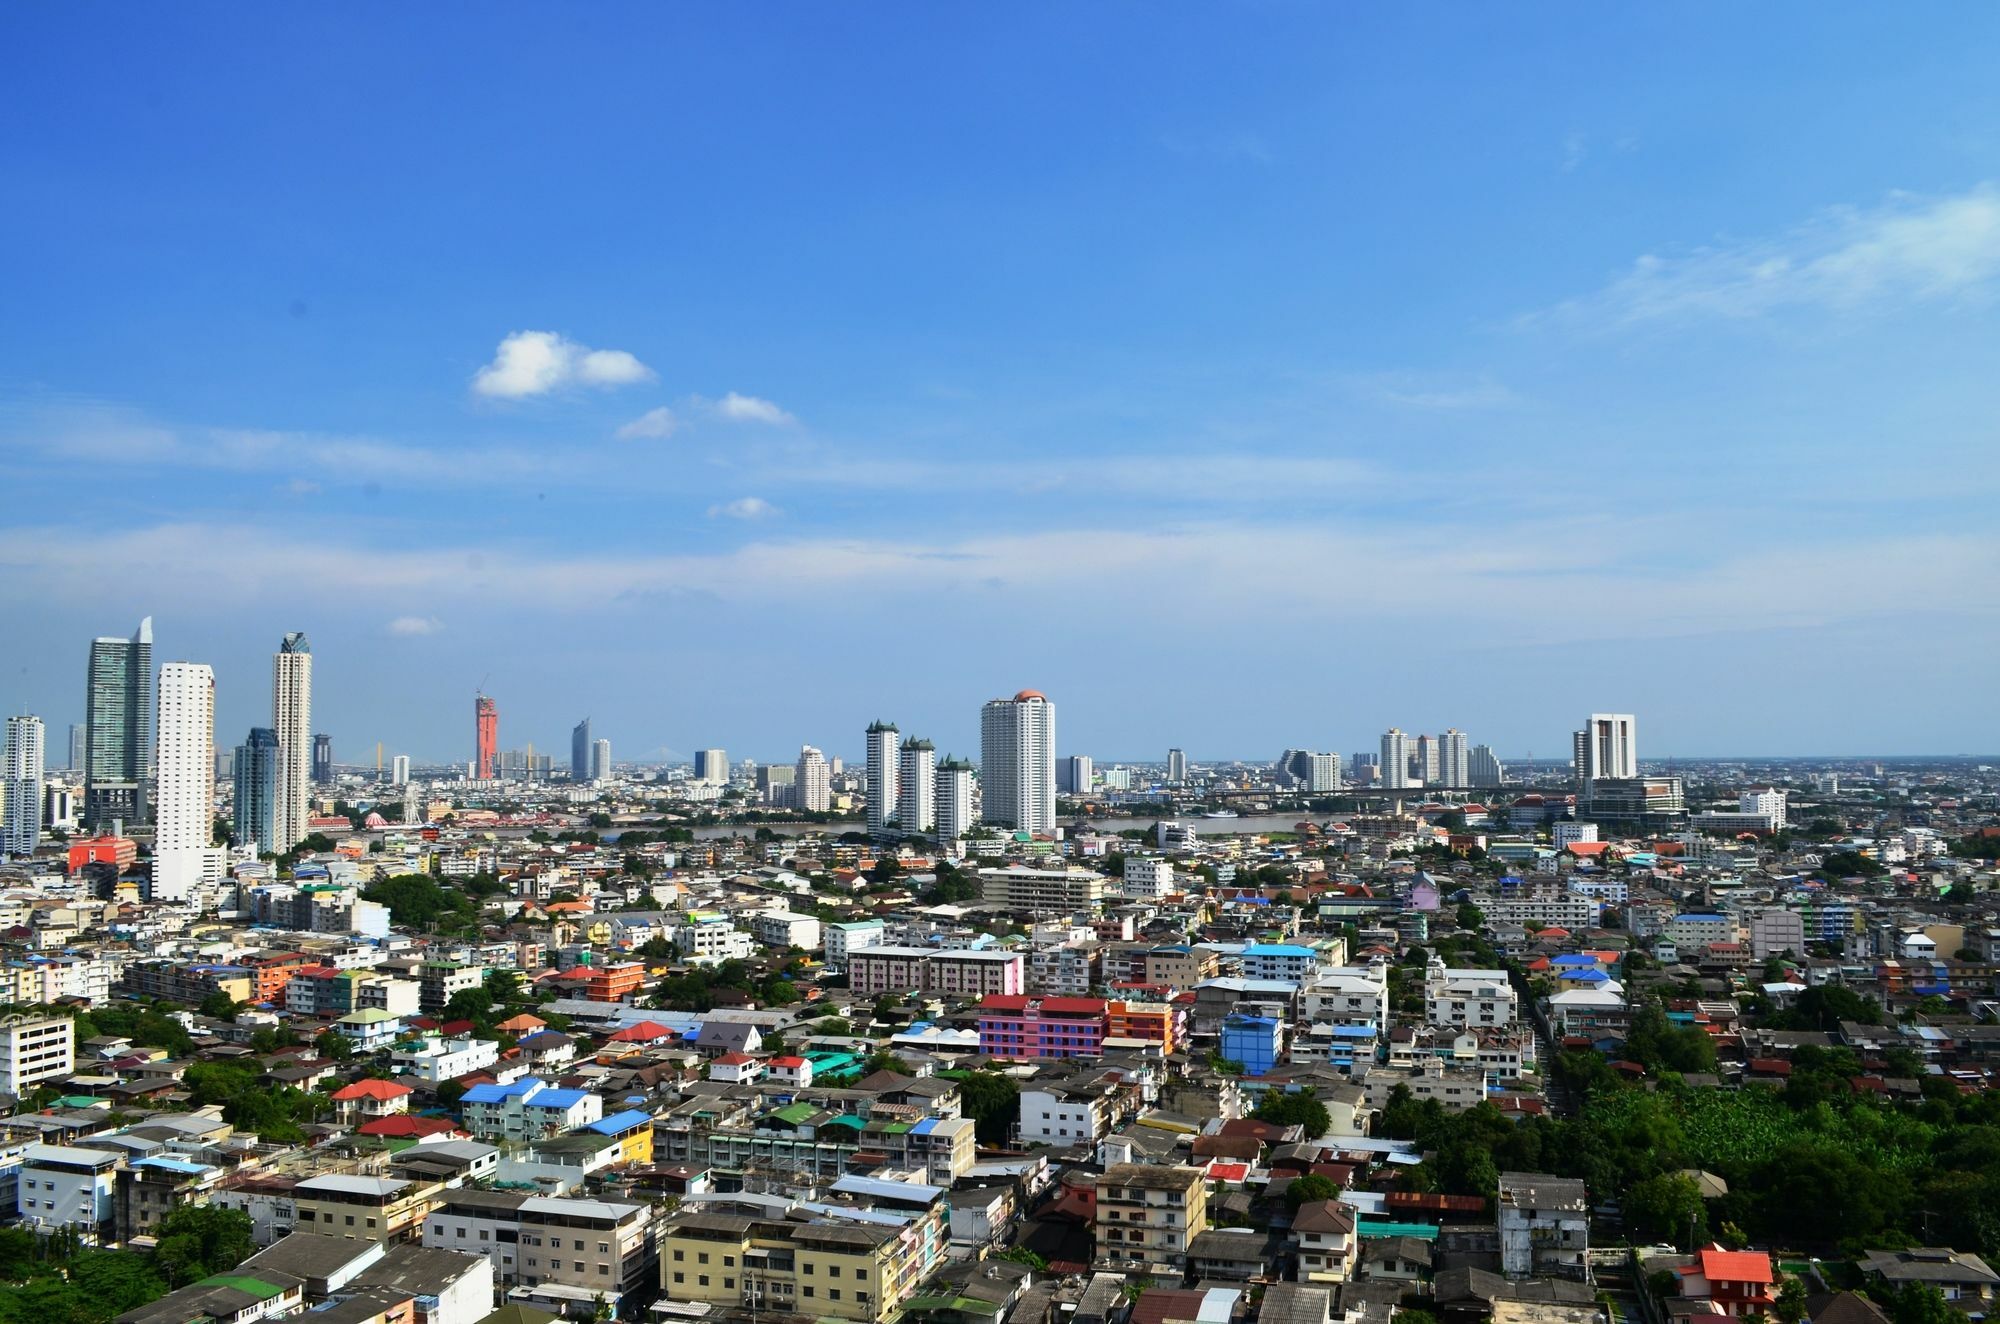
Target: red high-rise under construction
(486, 715)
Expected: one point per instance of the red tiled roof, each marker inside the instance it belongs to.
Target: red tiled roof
(371, 1089)
(1736, 1266)
(404, 1126)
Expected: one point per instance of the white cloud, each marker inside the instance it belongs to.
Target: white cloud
(1392, 577)
(744, 508)
(653, 423)
(749, 409)
(537, 362)
(1910, 249)
(1576, 150)
(302, 487)
(409, 626)
(1410, 391)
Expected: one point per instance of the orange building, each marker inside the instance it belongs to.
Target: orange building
(121, 851)
(1151, 1021)
(272, 971)
(612, 983)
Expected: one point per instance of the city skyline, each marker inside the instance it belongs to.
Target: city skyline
(1625, 385)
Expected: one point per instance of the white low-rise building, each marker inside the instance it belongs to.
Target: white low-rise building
(435, 1060)
(67, 1186)
(1468, 997)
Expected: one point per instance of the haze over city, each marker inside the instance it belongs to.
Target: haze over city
(1246, 377)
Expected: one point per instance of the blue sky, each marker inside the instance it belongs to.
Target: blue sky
(1242, 375)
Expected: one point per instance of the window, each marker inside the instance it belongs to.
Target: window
(680, 1277)
(703, 1280)
(728, 1261)
(809, 1290)
(678, 1256)
(833, 1294)
(701, 1257)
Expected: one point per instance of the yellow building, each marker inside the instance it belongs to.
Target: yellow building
(1148, 1215)
(826, 1270)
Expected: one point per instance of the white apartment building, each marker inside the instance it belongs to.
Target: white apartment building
(1607, 748)
(67, 1186)
(956, 810)
(1045, 891)
(779, 929)
(1693, 931)
(184, 860)
(885, 768)
(291, 718)
(1395, 765)
(1546, 909)
(21, 778)
(842, 939)
(1053, 1115)
(1066, 970)
(1348, 995)
(34, 1049)
(1017, 762)
(1569, 834)
(1766, 801)
(1468, 997)
(435, 1060)
(916, 788)
(1147, 878)
(713, 938)
(812, 782)
(1454, 759)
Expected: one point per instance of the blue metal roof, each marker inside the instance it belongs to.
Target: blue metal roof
(558, 1098)
(621, 1121)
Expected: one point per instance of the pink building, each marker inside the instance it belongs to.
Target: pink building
(1015, 1026)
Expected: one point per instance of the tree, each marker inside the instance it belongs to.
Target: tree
(1471, 917)
(469, 1004)
(503, 986)
(336, 1046)
(833, 1025)
(218, 1006)
(993, 1102)
(1791, 1304)
(1022, 1255)
(1920, 1303)
(1300, 1109)
(1668, 1207)
(195, 1241)
(1304, 1190)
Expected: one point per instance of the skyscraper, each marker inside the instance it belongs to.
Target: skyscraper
(1176, 767)
(1454, 761)
(1073, 775)
(1607, 749)
(22, 773)
(486, 723)
(399, 770)
(1486, 768)
(711, 767)
(579, 751)
(600, 760)
(291, 718)
(1308, 771)
(954, 799)
(1394, 771)
(1427, 761)
(884, 766)
(118, 727)
(916, 787)
(77, 738)
(184, 856)
(813, 787)
(1017, 762)
(322, 773)
(259, 785)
